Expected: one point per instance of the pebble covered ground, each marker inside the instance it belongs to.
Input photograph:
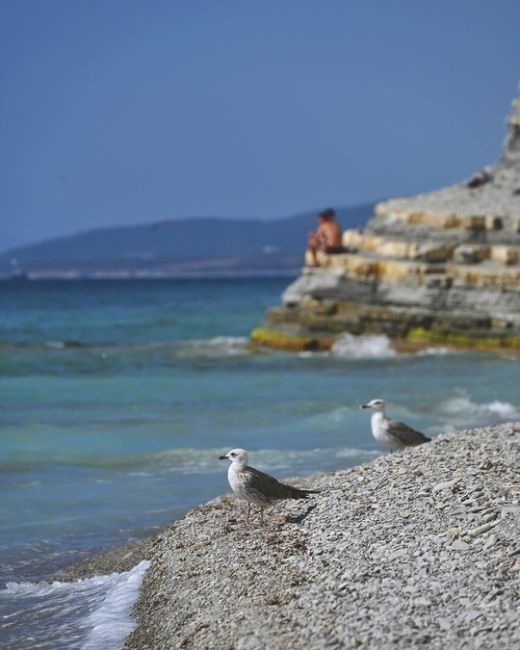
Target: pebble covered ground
(415, 549)
(500, 197)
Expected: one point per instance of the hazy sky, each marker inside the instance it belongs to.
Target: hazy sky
(128, 111)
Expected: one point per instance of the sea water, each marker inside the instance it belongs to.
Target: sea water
(119, 396)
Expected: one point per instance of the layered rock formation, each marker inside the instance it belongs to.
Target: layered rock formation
(441, 266)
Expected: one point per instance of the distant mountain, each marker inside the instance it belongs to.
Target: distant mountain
(178, 246)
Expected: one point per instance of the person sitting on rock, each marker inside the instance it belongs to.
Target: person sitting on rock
(479, 178)
(327, 237)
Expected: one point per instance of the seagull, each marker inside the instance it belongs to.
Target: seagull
(394, 435)
(256, 487)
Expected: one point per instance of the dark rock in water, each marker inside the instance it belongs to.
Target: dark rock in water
(438, 267)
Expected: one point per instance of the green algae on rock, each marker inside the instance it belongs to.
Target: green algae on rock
(281, 340)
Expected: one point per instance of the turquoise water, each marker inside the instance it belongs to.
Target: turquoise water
(118, 397)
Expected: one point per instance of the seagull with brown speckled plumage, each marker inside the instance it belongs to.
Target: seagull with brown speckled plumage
(255, 487)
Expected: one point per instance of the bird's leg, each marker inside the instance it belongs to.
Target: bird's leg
(248, 513)
(261, 516)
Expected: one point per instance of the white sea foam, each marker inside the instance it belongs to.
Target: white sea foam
(111, 623)
(100, 607)
(363, 347)
(462, 410)
(360, 454)
(205, 461)
(436, 352)
(55, 345)
(228, 343)
(367, 346)
(310, 354)
(216, 347)
(290, 463)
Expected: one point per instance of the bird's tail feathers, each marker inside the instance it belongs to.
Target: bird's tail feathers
(304, 494)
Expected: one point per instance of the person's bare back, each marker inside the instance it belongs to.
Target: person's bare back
(328, 236)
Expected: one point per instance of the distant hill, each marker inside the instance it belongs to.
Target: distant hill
(200, 245)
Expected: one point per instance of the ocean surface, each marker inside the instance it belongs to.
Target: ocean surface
(118, 397)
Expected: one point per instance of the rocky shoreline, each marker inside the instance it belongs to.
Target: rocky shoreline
(416, 549)
(436, 268)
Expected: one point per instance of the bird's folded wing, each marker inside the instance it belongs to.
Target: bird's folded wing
(406, 434)
(268, 486)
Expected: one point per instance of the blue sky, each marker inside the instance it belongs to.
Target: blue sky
(131, 111)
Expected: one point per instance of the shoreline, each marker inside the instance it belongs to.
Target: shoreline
(431, 534)
(124, 276)
(270, 337)
(112, 560)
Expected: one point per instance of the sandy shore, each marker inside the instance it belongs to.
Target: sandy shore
(417, 549)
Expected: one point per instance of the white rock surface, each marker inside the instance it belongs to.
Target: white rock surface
(379, 559)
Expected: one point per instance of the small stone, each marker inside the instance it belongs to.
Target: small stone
(490, 541)
(480, 530)
(445, 484)
(489, 517)
(460, 545)
(451, 533)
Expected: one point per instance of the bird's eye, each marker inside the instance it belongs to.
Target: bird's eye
(233, 454)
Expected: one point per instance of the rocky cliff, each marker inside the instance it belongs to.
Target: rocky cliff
(442, 266)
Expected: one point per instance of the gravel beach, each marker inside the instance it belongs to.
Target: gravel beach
(415, 549)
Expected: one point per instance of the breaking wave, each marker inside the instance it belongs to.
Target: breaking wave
(190, 460)
(203, 461)
(363, 347)
(463, 411)
(88, 614)
(379, 347)
(218, 346)
(440, 351)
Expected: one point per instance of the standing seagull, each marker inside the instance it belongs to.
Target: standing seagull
(254, 486)
(392, 434)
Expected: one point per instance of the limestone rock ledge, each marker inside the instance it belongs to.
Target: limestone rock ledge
(442, 266)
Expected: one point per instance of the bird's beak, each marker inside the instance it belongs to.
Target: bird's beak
(364, 406)
(222, 457)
